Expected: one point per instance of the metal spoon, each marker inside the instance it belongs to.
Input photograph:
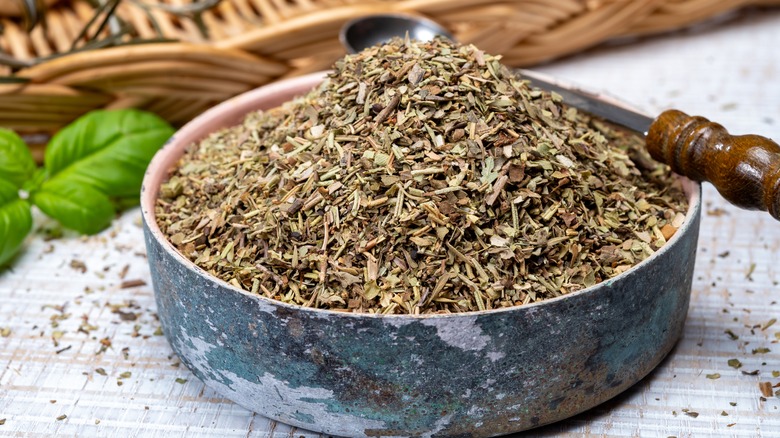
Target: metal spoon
(364, 32)
(745, 169)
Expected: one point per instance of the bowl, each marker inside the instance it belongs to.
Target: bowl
(471, 374)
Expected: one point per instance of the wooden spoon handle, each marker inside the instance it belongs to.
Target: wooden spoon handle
(745, 169)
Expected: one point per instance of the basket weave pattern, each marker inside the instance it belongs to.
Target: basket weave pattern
(253, 42)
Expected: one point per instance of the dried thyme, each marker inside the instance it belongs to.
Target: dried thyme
(419, 178)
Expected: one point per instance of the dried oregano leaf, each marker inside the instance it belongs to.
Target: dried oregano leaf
(419, 178)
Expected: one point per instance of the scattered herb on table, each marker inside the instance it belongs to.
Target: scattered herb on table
(735, 363)
(92, 168)
(714, 376)
(419, 178)
(766, 389)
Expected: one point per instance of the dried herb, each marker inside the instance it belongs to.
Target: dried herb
(735, 363)
(714, 376)
(761, 350)
(766, 389)
(419, 178)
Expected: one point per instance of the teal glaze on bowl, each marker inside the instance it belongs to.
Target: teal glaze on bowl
(470, 375)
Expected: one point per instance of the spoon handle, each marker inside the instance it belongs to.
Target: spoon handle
(744, 168)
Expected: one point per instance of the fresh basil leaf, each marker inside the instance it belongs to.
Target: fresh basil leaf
(15, 220)
(107, 150)
(75, 205)
(16, 161)
(35, 181)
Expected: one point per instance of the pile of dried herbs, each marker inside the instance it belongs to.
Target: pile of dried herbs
(419, 178)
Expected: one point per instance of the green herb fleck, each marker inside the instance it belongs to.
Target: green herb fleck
(713, 376)
(180, 380)
(749, 273)
(735, 363)
(731, 334)
(761, 350)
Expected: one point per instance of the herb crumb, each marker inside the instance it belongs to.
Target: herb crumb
(78, 265)
(62, 417)
(132, 283)
(713, 376)
(766, 389)
(180, 380)
(735, 363)
(749, 273)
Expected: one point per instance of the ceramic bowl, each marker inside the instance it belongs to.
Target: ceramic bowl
(472, 374)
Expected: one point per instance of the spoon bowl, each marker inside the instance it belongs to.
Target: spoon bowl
(364, 32)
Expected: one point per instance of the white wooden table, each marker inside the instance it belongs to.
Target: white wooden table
(81, 352)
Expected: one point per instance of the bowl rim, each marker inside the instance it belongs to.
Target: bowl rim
(192, 132)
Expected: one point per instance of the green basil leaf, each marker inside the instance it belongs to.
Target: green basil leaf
(75, 205)
(16, 161)
(107, 150)
(15, 220)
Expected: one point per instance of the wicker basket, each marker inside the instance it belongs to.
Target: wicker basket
(253, 42)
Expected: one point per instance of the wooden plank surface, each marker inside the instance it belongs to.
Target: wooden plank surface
(79, 337)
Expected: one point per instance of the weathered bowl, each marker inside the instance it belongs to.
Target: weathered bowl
(474, 374)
